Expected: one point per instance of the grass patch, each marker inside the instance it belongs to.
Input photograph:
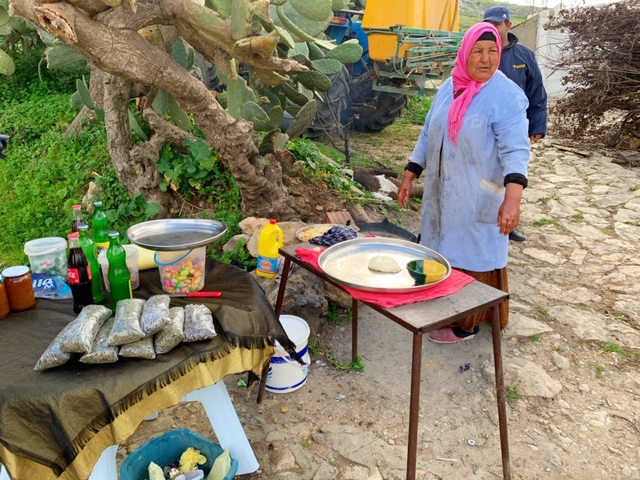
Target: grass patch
(336, 314)
(535, 338)
(599, 369)
(543, 200)
(416, 110)
(513, 394)
(544, 222)
(356, 365)
(611, 347)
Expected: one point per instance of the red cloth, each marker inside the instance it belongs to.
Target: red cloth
(452, 284)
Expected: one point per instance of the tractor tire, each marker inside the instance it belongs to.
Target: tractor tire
(332, 112)
(373, 110)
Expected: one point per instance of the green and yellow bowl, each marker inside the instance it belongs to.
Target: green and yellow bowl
(426, 271)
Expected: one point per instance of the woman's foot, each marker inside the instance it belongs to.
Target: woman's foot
(451, 335)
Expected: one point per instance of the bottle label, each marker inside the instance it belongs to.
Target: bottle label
(267, 265)
(74, 275)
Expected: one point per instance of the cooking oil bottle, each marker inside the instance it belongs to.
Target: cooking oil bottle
(270, 239)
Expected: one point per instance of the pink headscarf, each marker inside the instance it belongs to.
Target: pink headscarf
(462, 80)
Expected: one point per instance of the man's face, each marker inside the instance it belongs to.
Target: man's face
(503, 30)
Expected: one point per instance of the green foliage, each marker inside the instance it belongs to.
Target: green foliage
(317, 168)
(416, 110)
(45, 172)
(240, 256)
(611, 347)
(545, 221)
(356, 365)
(513, 394)
(184, 172)
(336, 314)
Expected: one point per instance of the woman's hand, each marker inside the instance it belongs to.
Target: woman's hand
(509, 213)
(405, 188)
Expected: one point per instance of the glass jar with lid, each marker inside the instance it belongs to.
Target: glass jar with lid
(17, 283)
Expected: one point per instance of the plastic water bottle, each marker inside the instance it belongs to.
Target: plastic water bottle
(89, 249)
(100, 227)
(79, 275)
(119, 275)
(270, 240)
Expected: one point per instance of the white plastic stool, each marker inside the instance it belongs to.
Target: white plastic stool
(224, 420)
(226, 424)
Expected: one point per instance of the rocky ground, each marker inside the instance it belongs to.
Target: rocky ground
(570, 352)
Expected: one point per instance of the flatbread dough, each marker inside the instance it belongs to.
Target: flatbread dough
(384, 264)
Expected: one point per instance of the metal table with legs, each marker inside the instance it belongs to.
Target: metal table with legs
(420, 318)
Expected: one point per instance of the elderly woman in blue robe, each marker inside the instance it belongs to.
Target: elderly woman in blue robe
(474, 151)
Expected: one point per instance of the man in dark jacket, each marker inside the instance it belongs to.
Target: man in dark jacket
(518, 63)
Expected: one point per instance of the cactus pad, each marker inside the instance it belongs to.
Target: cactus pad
(314, 81)
(348, 52)
(303, 120)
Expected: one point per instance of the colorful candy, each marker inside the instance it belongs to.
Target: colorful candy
(183, 277)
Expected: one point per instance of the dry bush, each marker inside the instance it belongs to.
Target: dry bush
(602, 61)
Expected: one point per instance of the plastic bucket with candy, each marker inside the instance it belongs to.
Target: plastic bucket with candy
(182, 271)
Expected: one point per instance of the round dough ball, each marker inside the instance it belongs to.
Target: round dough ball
(384, 264)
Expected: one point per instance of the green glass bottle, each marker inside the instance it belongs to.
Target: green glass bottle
(89, 249)
(119, 276)
(100, 227)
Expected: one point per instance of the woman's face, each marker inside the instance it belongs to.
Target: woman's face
(483, 60)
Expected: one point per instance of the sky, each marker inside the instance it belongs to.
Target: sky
(565, 3)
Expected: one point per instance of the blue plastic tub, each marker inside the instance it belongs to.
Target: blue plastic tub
(166, 449)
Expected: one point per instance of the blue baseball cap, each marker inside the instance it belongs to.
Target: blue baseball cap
(497, 14)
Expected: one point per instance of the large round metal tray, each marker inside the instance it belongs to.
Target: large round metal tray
(348, 264)
(173, 234)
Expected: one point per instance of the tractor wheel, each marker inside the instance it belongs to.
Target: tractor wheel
(373, 110)
(332, 112)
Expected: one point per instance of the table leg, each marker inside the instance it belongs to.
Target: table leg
(502, 408)
(224, 420)
(279, 300)
(414, 405)
(354, 329)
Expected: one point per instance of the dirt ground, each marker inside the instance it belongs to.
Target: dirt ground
(588, 431)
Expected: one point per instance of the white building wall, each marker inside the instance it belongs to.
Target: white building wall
(547, 45)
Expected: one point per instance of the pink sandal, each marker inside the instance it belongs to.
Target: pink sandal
(446, 335)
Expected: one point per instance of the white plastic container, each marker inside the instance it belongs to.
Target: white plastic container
(132, 263)
(182, 271)
(286, 374)
(48, 255)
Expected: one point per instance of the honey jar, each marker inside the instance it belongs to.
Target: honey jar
(4, 301)
(17, 283)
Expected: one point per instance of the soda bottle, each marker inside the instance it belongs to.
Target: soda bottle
(77, 218)
(270, 240)
(89, 250)
(100, 227)
(119, 276)
(79, 274)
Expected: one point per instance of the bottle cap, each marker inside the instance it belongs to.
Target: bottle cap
(74, 234)
(272, 221)
(76, 207)
(113, 234)
(17, 271)
(98, 203)
(83, 226)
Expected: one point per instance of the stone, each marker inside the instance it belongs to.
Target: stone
(531, 379)
(563, 363)
(521, 326)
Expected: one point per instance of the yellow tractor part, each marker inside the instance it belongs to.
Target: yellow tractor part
(440, 15)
